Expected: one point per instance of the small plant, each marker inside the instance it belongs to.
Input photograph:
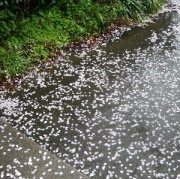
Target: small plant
(11, 63)
(38, 53)
(7, 24)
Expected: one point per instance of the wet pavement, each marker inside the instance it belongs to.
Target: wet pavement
(22, 158)
(112, 111)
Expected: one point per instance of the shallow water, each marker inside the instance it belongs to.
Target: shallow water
(112, 111)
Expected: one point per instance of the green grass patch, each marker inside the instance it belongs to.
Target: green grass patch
(26, 41)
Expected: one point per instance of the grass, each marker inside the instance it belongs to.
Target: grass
(32, 40)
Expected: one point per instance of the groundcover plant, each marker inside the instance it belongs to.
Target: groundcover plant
(31, 31)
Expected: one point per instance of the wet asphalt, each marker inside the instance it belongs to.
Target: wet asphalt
(112, 111)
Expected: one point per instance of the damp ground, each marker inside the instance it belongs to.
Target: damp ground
(112, 111)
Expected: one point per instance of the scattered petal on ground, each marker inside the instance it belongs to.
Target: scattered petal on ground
(111, 112)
